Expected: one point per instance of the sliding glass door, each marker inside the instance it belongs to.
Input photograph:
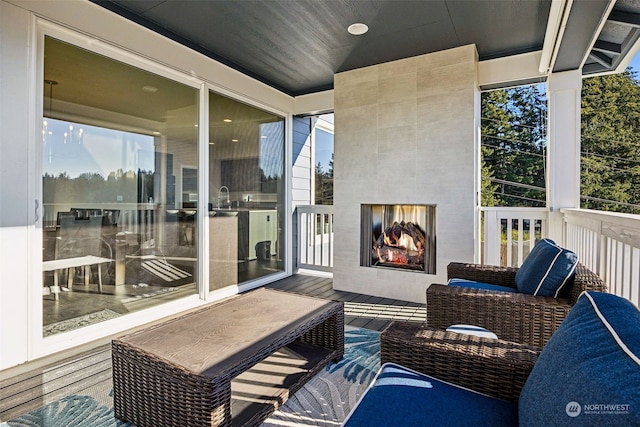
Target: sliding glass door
(120, 188)
(246, 192)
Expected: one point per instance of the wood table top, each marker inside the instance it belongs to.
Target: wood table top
(214, 339)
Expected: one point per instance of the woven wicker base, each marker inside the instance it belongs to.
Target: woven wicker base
(491, 366)
(262, 389)
(512, 316)
(180, 373)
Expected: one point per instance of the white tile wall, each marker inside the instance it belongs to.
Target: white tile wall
(406, 132)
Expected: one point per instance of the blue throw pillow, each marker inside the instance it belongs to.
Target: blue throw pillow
(464, 283)
(589, 371)
(546, 270)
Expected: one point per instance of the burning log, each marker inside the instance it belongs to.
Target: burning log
(398, 256)
(401, 243)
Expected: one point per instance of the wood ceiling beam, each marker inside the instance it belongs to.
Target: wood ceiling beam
(601, 59)
(625, 18)
(608, 47)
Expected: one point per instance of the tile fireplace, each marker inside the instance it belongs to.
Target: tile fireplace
(398, 237)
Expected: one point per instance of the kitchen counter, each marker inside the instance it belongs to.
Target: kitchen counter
(223, 251)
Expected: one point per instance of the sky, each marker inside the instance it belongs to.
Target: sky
(324, 149)
(89, 149)
(635, 62)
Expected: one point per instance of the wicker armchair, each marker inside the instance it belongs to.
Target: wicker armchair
(494, 367)
(516, 317)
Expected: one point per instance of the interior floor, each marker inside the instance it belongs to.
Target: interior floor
(82, 304)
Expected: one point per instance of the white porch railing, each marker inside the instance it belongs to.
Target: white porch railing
(609, 244)
(315, 237)
(510, 233)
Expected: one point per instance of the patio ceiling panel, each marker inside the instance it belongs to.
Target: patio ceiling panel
(501, 28)
(297, 46)
(584, 21)
(617, 41)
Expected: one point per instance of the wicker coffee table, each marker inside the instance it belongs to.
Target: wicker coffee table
(231, 363)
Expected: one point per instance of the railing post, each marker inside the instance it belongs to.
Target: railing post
(492, 237)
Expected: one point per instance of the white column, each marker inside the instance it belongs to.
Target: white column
(563, 147)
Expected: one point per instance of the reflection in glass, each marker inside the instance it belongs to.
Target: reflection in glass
(246, 199)
(117, 234)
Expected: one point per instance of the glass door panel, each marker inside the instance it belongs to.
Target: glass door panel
(118, 238)
(246, 200)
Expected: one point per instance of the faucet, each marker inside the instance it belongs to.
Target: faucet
(224, 187)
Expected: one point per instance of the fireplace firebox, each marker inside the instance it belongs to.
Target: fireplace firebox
(399, 237)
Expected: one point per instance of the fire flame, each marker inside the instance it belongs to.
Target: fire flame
(402, 243)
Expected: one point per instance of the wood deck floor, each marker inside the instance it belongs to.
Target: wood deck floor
(29, 386)
(362, 311)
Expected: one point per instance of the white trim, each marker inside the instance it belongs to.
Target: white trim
(67, 340)
(314, 103)
(558, 17)
(113, 52)
(612, 331)
(34, 275)
(288, 196)
(556, 24)
(202, 218)
(510, 71)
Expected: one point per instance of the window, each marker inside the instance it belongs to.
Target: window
(119, 146)
(323, 157)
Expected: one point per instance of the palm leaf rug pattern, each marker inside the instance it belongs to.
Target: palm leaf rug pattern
(324, 401)
(328, 397)
(362, 356)
(69, 411)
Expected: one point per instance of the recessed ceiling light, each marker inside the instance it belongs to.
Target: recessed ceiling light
(212, 143)
(234, 140)
(357, 29)
(227, 120)
(150, 89)
(156, 133)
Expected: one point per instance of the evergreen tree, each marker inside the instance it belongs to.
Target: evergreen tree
(610, 143)
(513, 147)
(324, 184)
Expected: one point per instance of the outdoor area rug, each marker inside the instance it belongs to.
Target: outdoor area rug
(324, 401)
(79, 322)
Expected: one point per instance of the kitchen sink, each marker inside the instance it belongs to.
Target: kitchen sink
(222, 212)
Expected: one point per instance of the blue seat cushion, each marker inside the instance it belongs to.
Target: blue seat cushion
(401, 397)
(464, 283)
(589, 371)
(546, 270)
